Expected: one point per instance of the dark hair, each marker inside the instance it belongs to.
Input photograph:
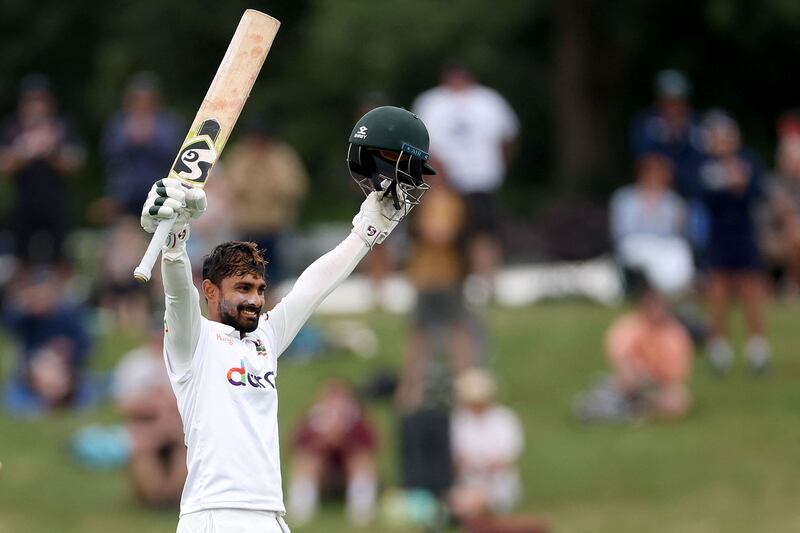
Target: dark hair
(235, 258)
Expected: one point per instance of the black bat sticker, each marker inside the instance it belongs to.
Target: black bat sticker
(198, 154)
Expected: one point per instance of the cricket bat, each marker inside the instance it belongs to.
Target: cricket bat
(217, 115)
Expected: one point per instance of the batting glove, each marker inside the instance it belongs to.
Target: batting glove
(376, 219)
(169, 199)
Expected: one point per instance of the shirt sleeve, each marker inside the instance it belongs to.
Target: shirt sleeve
(182, 319)
(312, 287)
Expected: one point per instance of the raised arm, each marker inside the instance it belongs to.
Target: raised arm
(182, 317)
(313, 286)
(168, 199)
(373, 223)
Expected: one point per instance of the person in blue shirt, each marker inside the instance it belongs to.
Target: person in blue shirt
(53, 346)
(732, 184)
(141, 140)
(671, 127)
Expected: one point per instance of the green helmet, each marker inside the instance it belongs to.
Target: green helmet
(389, 152)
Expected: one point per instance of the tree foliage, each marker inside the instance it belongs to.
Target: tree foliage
(329, 53)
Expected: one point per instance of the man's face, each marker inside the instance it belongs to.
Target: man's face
(240, 301)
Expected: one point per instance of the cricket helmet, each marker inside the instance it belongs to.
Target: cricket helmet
(388, 153)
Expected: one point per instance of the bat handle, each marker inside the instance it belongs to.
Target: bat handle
(144, 270)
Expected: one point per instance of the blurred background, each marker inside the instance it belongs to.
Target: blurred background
(586, 326)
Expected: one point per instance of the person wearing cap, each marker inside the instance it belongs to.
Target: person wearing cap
(39, 150)
(670, 127)
(487, 440)
(732, 182)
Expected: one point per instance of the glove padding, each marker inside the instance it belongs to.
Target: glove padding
(169, 199)
(377, 218)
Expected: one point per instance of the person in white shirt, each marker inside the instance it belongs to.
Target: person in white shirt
(223, 368)
(143, 396)
(487, 440)
(473, 131)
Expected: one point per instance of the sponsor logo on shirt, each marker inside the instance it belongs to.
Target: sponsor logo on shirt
(224, 339)
(260, 348)
(238, 376)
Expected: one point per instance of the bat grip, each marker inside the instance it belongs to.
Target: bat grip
(144, 270)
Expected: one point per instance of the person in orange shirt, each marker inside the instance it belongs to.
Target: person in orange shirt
(650, 353)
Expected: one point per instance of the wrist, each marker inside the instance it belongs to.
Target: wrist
(368, 232)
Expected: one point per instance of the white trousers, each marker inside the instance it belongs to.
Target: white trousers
(232, 521)
(666, 261)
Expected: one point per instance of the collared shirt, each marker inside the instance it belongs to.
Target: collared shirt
(226, 383)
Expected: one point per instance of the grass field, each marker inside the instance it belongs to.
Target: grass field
(733, 466)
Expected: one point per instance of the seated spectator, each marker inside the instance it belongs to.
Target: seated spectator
(647, 226)
(334, 452)
(143, 396)
(122, 301)
(780, 236)
(650, 354)
(732, 180)
(53, 343)
(487, 440)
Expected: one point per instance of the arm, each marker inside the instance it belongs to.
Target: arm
(169, 200)
(313, 286)
(182, 316)
(373, 223)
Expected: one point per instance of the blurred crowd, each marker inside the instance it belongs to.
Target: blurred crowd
(702, 216)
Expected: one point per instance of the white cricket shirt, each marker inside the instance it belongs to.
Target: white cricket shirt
(226, 385)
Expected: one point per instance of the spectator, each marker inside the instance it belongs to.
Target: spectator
(781, 217)
(650, 354)
(487, 440)
(436, 268)
(647, 226)
(144, 397)
(53, 343)
(121, 300)
(39, 150)
(267, 180)
(473, 130)
(440, 325)
(732, 181)
(139, 142)
(670, 127)
(334, 449)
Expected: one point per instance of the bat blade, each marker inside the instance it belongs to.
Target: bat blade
(217, 115)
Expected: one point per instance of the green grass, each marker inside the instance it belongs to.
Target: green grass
(732, 466)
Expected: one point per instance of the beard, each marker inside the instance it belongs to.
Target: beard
(237, 316)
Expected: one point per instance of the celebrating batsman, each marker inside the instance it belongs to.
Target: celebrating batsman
(223, 368)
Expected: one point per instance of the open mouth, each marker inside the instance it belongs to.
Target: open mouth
(251, 314)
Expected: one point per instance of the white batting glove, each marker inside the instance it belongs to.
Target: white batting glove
(169, 199)
(376, 219)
